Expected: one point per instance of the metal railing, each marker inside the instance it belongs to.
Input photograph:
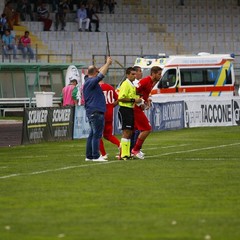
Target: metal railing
(48, 57)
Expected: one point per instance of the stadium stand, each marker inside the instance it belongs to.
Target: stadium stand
(145, 27)
(158, 26)
(175, 29)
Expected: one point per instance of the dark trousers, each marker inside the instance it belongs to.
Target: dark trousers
(47, 23)
(96, 22)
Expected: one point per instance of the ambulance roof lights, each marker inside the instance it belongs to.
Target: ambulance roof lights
(162, 54)
(203, 54)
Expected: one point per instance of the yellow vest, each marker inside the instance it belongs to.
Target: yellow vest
(127, 90)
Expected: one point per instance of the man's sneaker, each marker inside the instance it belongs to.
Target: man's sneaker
(125, 158)
(88, 159)
(100, 159)
(142, 153)
(137, 154)
(105, 156)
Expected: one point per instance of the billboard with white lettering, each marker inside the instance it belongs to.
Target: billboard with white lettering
(162, 116)
(47, 124)
(208, 112)
(167, 116)
(236, 111)
(61, 123)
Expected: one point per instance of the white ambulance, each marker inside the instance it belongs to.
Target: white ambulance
(192, 75)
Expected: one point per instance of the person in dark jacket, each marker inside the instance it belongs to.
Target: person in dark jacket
(93, 17)
(95, 106)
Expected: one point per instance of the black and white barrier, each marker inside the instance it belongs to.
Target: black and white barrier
(47, 124)
(63, 123)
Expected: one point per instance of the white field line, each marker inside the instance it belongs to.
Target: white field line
(54, 170)
(173, 146)
(94, 164)
(33, 156)
(195, 150)
(178, 145)
(3, 167)
(153, 148)
(207, 159)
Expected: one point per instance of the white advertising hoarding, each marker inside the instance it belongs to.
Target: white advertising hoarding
(212, 112)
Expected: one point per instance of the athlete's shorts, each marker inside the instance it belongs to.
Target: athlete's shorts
(126, 117)
(141, 121)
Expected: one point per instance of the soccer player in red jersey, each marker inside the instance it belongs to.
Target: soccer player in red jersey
(141, 121)
(111, 98)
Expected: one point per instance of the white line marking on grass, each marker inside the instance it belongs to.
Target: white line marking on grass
(94, 164)
(181, 145)
(171, 146)
(3, 167)
(34, 156)
(194, 150)
(11, 175)
(208, 159)
(53, 170)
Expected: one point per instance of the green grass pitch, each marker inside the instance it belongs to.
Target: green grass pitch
(186, 188)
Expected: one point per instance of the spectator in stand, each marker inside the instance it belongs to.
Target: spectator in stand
(36, 4)
(69, 94)
(100, 3)
(9, 43)
(111, 99)
(71, 4)
(55, 4)
(3, 24)
(111, 5)
(24, 8)
(43, 16)
(25, 45)
(61, 11)
(181, 2)
(11, 15)
(93, 17)
(82, 18)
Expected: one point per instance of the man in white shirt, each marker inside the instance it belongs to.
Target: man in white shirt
(82, 18)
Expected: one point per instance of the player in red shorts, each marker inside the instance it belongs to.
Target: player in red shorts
(141, 121)
(111, 98)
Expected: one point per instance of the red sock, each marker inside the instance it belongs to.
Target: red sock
(138, 144)
(101, 148)
(112, 139)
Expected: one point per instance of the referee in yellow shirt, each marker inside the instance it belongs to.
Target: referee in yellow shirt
(127, 97)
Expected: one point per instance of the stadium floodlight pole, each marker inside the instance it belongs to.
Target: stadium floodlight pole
(108, 48)
(109, 54)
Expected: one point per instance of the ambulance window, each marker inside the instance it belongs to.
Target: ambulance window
(203, 76)
(185, 78)
(191, 77)
(197, 77)
(212, 75)
(228, 77)
(168, 79)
